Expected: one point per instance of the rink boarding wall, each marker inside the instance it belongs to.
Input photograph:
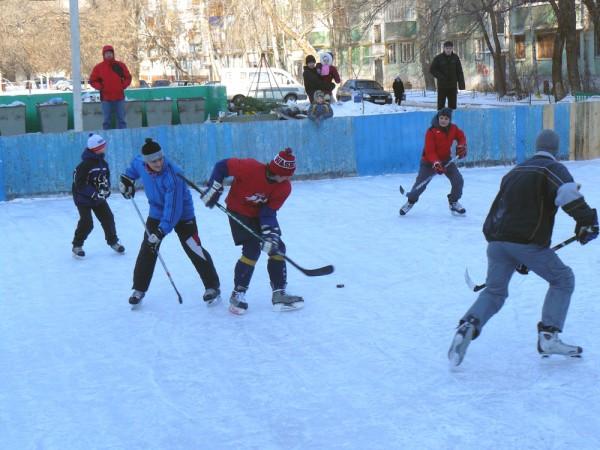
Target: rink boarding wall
(42, 164)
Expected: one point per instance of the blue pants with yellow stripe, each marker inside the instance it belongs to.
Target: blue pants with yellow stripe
(251, 252)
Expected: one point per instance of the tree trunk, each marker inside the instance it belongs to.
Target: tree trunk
(302, 42)
(499, 68)
(568, 28)
(512, 68)
(558, 87)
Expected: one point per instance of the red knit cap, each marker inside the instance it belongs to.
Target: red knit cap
(284, 163)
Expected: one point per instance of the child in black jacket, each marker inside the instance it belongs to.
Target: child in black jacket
(91, 188)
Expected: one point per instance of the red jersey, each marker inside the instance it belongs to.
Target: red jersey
(438, 143)
(251, 190)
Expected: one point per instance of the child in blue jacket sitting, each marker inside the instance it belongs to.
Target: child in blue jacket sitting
(319, 110)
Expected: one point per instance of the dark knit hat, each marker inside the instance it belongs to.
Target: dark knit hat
(283, 164)
(445, 112)
(310, 59)
(151, 151)
(448, 44)
(547, 141)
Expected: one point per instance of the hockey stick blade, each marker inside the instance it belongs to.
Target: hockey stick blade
(318, 272)
(474, 287)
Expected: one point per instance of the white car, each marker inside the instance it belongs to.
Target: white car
(268, 84)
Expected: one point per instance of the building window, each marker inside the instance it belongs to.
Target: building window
(376, 34)
(391, 53)
(544, 45)
(520, 46)
(407, 52)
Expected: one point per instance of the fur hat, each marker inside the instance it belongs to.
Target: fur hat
(95, 142)
(326, 58)
(283, 164)
(151, 151)
(547, 141)
(318, 94)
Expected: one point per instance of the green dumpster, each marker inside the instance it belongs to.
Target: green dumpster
(134, 111)
(54, 118)
(158, 112)
(92, 117)
(191, 110)
(12, 120)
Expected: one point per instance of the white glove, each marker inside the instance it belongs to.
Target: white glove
(212, 194)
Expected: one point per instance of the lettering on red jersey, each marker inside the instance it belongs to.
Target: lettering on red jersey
(257, 198)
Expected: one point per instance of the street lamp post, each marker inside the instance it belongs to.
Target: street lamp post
(75, 64)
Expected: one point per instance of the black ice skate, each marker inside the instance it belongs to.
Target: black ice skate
(78, 252)
(136, 298)
(237, 305)
(406, 208)
(463, 337)
(550, 344)
(212, 296)
(117, 247)
(286, 302)
(456, 208)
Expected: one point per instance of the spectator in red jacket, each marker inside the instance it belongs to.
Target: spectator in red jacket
(437, 158)
(111, 78)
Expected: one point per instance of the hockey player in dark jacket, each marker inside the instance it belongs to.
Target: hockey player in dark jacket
(91, 188)
(518, 229)
(447, 69)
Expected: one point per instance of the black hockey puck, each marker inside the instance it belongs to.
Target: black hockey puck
(339, 285)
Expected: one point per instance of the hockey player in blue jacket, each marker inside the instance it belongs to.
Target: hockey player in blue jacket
(171, 208)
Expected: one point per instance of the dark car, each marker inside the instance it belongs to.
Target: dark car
(161, 83)
(370, 90)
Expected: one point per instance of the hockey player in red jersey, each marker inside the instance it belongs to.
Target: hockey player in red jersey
(257, 192)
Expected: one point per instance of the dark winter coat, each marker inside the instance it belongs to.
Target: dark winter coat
(448, 71)
(319, 111)
(398, 87)
(110, 77)
(529, 196)
(91, 180)
(312, 82)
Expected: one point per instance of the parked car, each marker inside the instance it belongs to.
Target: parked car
(269, 84)
(183, 83)
(370, 90)
(144, 84)
(161, 83)
(211, 83)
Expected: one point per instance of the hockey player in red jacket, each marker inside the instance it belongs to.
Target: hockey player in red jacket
(257, 192)
(111, 78)
(436, 159)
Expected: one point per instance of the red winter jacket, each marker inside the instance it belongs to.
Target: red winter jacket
(438, 142)
(110, 77)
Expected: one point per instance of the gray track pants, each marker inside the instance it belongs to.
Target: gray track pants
(425, 171)
(503, 257)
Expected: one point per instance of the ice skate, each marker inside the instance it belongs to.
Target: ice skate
(406, 208)
(463, 337)
(117, 247)
(212, 296)
(78, 252)
(237, 305)
(456, 209)
(550, 344)
(136, 298)
(286, 302)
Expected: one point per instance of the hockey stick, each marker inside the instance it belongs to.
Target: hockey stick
(426, 181)
(325, 270)
(522, 268)
(159, 255)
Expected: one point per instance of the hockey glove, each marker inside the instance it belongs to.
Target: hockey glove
(439, 168)
(270, 243)
(587, 230)
(212, 194)
(127, 186)
(153, 241)
(461, 151)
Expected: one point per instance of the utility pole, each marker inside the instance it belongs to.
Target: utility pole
(75, 64)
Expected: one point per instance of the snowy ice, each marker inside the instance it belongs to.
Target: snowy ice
(361, 367)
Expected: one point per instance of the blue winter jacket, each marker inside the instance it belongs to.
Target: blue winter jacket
(169, 197)
(91, 180)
